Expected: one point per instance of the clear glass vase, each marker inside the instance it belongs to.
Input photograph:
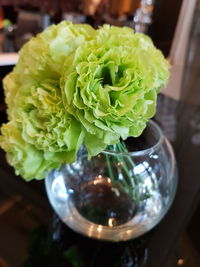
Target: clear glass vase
(116, 196)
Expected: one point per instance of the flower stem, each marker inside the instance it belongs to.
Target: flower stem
(128, 181)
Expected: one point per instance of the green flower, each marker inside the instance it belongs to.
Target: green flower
(74, 85)
(45, 122)
(112, 84)
(43, 127)
(28, 161)
(40, 131)
(43, 57)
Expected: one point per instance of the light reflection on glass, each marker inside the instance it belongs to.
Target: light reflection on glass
(99, 228)
(180, 262)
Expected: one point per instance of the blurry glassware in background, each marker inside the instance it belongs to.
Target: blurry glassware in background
(74, 17)
(133, 13)
(71, 11)
(9, 42)
(31, 18)
(122, 13)
(150, 16)
(45, 21)
(136, 14)
(143, 15)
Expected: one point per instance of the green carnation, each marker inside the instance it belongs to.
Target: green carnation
(43, 58)
(28, 161)
(45, 122)
(40, 127)
(111, 85)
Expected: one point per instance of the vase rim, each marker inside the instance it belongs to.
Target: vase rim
(146, 151)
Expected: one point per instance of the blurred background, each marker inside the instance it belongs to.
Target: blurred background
(22, 19)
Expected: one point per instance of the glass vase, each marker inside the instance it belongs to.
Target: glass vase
(116, 195)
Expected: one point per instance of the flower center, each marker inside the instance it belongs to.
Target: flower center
(106, 77)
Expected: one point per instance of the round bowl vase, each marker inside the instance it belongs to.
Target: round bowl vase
(119, 194)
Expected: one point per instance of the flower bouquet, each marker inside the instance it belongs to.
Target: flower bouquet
(77, 91)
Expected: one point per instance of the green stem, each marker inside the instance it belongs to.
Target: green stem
(124, 183)
(111, 175)
(123, 148)
(129, 183)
